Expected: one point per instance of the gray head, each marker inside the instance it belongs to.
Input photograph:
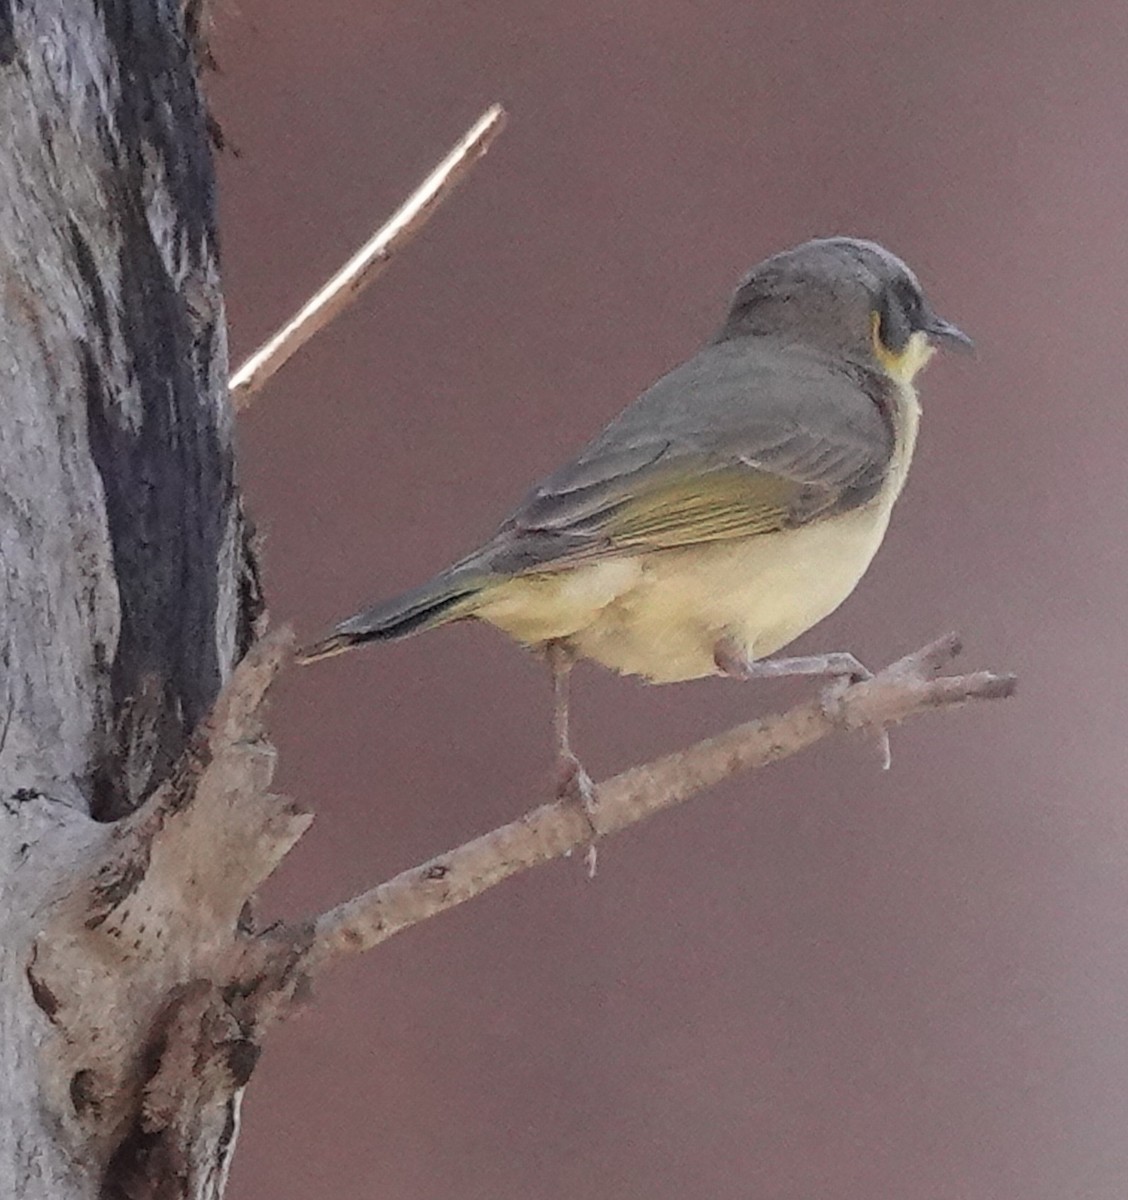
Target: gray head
(845, 295)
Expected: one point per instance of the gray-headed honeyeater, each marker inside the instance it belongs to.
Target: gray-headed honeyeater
(732, 506)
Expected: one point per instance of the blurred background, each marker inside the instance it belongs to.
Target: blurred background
(819, 981)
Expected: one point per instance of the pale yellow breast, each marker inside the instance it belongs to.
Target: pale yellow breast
(662, 614)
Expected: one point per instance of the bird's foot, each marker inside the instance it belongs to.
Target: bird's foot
(830, 701)
(574, 786)
(842, 668)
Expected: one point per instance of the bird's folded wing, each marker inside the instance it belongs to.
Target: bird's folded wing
(665, 496)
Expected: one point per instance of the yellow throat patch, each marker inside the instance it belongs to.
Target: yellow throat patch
(903, 366)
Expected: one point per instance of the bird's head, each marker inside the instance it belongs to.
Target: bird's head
(845, 295)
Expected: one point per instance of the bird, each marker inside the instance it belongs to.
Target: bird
(731, 507)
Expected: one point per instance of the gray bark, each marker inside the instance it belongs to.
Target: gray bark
(127, 597)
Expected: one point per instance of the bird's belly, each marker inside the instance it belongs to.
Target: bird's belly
(662, 614)
(543, 607)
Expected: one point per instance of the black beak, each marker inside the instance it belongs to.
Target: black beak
(937, 327)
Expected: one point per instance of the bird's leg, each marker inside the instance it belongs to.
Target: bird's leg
(572, 781)
(842, 667)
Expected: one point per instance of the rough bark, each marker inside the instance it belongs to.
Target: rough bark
(127, 588)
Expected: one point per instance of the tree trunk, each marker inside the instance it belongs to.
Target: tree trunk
(128, 592)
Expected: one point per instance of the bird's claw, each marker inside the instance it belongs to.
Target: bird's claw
(574, 786)
(830, 701)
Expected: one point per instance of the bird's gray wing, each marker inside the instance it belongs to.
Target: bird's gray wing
(736, 442)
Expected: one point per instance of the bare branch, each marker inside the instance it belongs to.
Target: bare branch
(902, 690)
(369, 261)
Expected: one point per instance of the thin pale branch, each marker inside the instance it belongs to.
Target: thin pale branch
(368, 262)
(904, 689)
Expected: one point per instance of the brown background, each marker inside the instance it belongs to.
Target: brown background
(820, 981)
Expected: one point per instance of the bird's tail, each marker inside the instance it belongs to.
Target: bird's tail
(447, 597)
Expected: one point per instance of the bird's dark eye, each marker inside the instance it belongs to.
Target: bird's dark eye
(911, 303)
(900, 308)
